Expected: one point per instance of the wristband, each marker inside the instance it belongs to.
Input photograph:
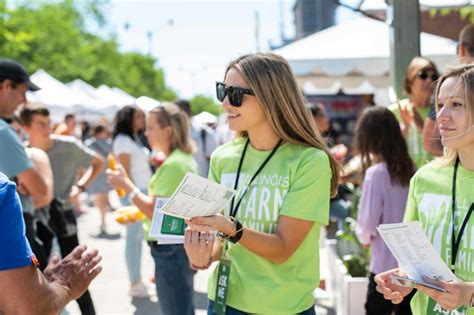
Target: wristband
(133, 194)
(239, 231)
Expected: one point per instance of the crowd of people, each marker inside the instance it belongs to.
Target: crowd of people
(285, 167)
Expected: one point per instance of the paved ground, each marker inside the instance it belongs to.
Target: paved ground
(110, 290)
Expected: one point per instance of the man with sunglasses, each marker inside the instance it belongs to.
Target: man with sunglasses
(465, 52)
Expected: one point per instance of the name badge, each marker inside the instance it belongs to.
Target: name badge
(222, 285)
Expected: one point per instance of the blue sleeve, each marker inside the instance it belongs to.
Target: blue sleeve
(14, 160)
(15, 251)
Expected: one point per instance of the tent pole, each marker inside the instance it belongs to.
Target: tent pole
(403, 17)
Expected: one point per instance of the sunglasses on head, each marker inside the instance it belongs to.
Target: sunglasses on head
(423, 74)
(235, 94)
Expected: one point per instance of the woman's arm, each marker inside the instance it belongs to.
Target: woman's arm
(457, 292)
(278, 247)
(124, 160)
(118, 179)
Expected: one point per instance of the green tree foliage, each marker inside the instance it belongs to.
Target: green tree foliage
(52, 36)
(201, 103)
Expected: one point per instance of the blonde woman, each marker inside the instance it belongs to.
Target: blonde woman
(412, 112)
(167, 130)
(284, 177)
(441, 198)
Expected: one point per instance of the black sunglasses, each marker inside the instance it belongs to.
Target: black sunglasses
(426, 74)
(235, 94)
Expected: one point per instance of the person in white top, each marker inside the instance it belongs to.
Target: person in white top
(205, 139)
(134, 157)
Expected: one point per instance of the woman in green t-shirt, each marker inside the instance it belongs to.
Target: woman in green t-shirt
(412, 111)
(283, 175)
(168, 131)
(439, 192)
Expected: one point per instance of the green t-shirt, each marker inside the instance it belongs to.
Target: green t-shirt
(415, 139)
(167, 178)
(294, 183)
(429, 202)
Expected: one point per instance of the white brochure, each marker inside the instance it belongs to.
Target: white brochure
(197, 196)
(167, 229)
(414, 252)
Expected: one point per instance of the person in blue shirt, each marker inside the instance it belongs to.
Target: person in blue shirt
(14, 162)
(25, 290)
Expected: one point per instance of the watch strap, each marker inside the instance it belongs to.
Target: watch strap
(237, 235)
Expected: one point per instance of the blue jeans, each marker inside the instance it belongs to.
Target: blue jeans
(174, 279)
(232, 311)
(133, 247)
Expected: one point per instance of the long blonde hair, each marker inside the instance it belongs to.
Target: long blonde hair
(271, 79)
(169, 114)
(465, 75)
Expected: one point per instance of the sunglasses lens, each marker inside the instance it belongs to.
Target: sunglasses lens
(423, 75)
(235, 97)
(220, 91)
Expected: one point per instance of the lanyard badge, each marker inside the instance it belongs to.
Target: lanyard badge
(222, 284)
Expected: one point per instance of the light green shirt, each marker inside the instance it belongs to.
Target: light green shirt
(414, 139)
(167, 178)
(429, 202)
(294, 183)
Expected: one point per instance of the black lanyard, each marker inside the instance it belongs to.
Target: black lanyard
(233, 211)
(455, 242)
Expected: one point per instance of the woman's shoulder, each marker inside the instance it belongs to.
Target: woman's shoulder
(433, 172)
(301, 153)
(122, 138)
(228, 149)
(179, 159)
(377, 169)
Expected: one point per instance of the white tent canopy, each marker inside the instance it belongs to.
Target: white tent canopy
(354, 57)
(78, 96)
(357, 47)
(83, 87)
(115, 95)
(204, 118)
(53, 91)
(146, 103)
